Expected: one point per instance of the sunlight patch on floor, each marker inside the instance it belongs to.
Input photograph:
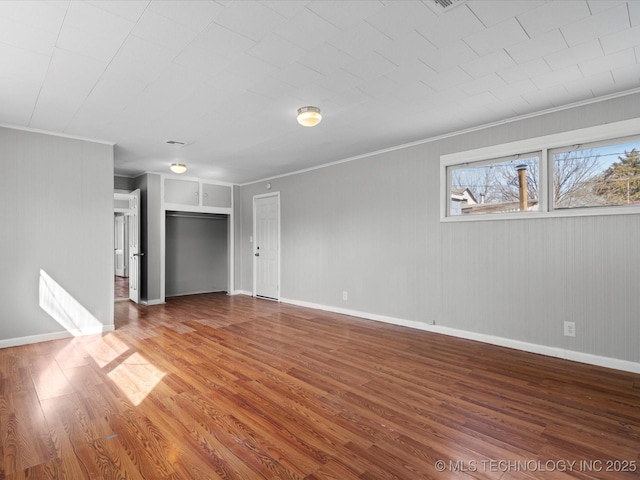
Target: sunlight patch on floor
(136, 377)
(53, 381)
(106, 349)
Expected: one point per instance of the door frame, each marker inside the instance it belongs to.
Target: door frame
(253, 243)
(135, 253)
(123, 196)
(121, 236)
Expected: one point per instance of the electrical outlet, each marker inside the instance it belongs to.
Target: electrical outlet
(569, 329)
(345, 295)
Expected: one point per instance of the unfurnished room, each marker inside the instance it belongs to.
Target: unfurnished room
(316, 239)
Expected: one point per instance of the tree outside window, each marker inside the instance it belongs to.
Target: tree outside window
(496, 186)
(596, 176)
(582, 176)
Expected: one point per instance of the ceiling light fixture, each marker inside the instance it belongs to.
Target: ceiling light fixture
(309, 116)
(178, 167)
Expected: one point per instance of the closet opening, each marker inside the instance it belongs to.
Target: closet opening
(196, 253)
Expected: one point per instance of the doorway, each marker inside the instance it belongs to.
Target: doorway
(266, 246)
(127, 246)
(121, 256)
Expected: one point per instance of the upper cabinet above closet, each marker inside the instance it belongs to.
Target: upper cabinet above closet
(216, 195)
(184, 192)
(197, 194)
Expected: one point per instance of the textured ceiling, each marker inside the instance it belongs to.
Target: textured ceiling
(227, 77)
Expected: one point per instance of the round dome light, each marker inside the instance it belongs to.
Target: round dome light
(309, 116)
(178, 167)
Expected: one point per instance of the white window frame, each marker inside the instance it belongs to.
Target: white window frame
(496, 161)
(586, 146)
(609, 131)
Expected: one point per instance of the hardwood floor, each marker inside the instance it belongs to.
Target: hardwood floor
(212, 386)
(121, 287)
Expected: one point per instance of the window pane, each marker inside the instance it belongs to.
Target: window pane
(504, 185)
(597, 175)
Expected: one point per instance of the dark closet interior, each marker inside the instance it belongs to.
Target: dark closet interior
(197, 253)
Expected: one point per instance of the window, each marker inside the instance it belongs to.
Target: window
(591, 171)
(508, 184)
(597, 174)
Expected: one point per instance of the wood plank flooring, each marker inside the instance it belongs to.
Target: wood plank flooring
(212, 386)
(121, 287)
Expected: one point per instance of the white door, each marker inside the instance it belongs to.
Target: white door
(120, 246)
(266, 246)
(134, 246)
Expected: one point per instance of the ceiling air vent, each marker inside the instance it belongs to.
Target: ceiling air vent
(440, 6)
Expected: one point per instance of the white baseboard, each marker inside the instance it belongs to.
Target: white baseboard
(608, 362)
(221, 290)
(242, 292)
(148, 303)
(45, 337)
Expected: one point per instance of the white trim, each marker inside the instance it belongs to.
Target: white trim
(454, 134)
(202, 292)
(112, 268)
(555, 140)
(242, 292)
(55, 134)
(175, 176)
(253, 263)
(545, 143)
(163, 241)
(46, 337)
(178, 207)
(608, 362)
(231, 245)
(149, 303)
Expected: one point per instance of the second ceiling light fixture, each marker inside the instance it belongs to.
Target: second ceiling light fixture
(309, 116)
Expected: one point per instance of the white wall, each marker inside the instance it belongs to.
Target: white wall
(371, 227)
(56, 240)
